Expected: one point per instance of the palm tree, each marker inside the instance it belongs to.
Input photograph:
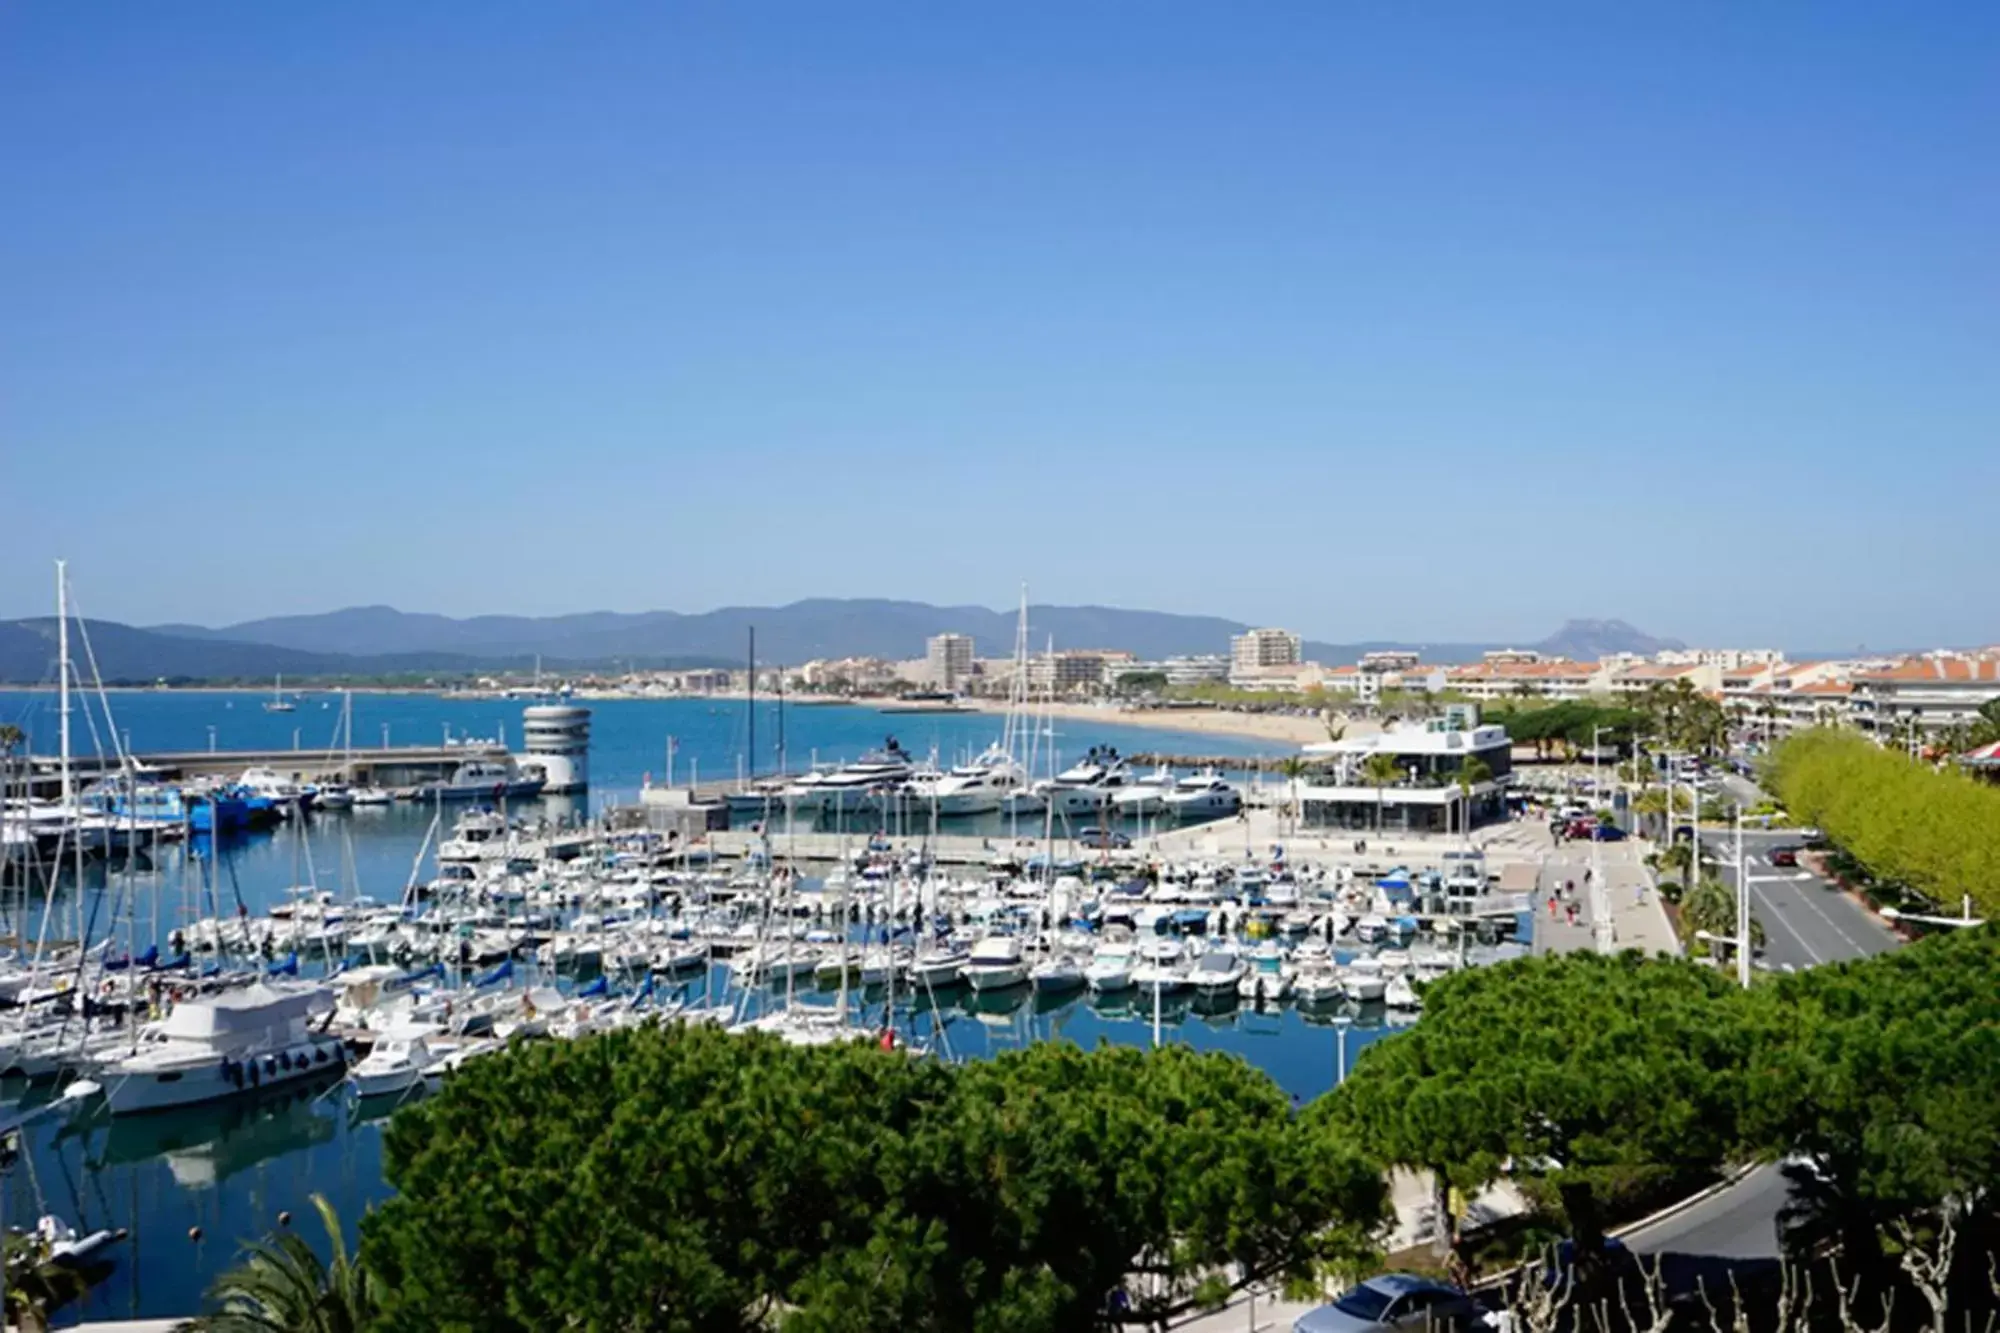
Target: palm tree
(1470, 774)
(1710, 905)
(282, 1287)
(1378, 772)
(1292, 769)
(11, 737)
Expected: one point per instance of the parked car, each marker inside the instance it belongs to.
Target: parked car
(1098, 839)
(1394, 1301)
(1784, 856)
(1608, 833)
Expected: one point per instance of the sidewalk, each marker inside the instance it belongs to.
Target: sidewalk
(1638, 917)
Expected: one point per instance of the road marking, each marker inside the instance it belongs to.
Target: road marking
(1790, 929)
(1859, 950)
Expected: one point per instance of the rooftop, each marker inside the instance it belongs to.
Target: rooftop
(1942, 670)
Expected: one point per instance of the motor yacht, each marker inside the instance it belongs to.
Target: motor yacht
(1057, 975)
(995, 963)
(1089, 787)
(977, 788)
(1217, 972)
(854, 786)
(226, 1045)
(1203, 796)
(395, 1064)
(485, 780)
(1110, 968)
(1364, 982)
(1401, 994)
(1144, 795)
(940, 965)
(1268, 977)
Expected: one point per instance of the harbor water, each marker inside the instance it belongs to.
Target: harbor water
(225, 1171)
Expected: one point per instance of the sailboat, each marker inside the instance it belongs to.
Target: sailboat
(334, 793)
(278, 702)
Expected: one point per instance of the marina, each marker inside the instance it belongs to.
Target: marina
(343, 960)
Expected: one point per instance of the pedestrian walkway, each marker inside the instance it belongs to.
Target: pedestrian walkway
(1638, 917)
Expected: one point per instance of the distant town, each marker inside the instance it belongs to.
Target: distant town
(1265, 669)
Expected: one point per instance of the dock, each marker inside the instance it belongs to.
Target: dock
(397, 766)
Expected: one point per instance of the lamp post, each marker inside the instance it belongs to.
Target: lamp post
(1601, 932)
(1341, 1022)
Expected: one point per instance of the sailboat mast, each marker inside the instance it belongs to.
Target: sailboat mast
(62, 673)
(751, 702)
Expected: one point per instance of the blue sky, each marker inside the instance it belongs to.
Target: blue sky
(1421, 321)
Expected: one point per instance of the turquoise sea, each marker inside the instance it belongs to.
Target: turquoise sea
(229, 1170)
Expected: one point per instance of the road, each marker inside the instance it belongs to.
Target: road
(1807, 920)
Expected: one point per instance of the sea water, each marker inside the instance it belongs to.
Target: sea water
(229, 1169)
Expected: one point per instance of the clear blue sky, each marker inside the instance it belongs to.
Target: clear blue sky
(1422, 321)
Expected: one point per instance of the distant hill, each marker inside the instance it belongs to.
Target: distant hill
(1588, 640)
(28, 654)
(816, 628)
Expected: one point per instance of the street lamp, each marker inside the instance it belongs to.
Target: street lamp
(1603, 936)
(1341, 1022)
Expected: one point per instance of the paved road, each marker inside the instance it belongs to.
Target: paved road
(1807, 920)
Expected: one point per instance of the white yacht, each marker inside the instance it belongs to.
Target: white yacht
(1090, 787)
(1268, 977)
(1057, 975)
(940, 965)
(485, 779)
(853, 786)
(1110, 968)
(1202, 796)
(475, 836)
(267, 782)
(1364, 981)
(976, 788)
(1217, 972)
(996, 963)
(373, 796)
(1146, 795)
(226, 1045)
(1162, 967)
(395, 1064)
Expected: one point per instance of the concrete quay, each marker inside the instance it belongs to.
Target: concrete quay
(398, 766)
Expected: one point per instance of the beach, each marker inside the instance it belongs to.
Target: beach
(1284, 731)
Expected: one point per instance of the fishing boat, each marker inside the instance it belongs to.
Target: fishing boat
(396, 1064)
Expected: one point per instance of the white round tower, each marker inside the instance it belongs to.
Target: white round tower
(558, 741)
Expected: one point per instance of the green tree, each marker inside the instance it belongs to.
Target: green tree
(690, 1178)
(282, 1286)
(1709, 905)
(1378, 771)
(1883, 1076)
(11, 737)
(1587, 1073)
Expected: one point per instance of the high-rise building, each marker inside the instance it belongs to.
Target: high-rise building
(1259, 648)
(948, 660)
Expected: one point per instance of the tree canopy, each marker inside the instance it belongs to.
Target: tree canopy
(691, 1179)
(1936, 832)
(1582, 1069)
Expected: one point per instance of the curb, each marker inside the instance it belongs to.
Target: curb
(1675, 1209)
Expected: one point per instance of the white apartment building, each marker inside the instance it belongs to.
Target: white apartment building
(1507, 678)
(1259, 648)
(1074, 670)
(948, 660)
(1935, 691)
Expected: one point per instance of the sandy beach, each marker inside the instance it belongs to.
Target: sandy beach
(1280, 729)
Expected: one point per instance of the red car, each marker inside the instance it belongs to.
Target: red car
(1784, 856)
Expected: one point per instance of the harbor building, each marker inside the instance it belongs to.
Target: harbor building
(1257, 649)
(948, 661)
(1425, 796)
(558, 743)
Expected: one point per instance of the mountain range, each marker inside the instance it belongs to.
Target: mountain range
(380, 640)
